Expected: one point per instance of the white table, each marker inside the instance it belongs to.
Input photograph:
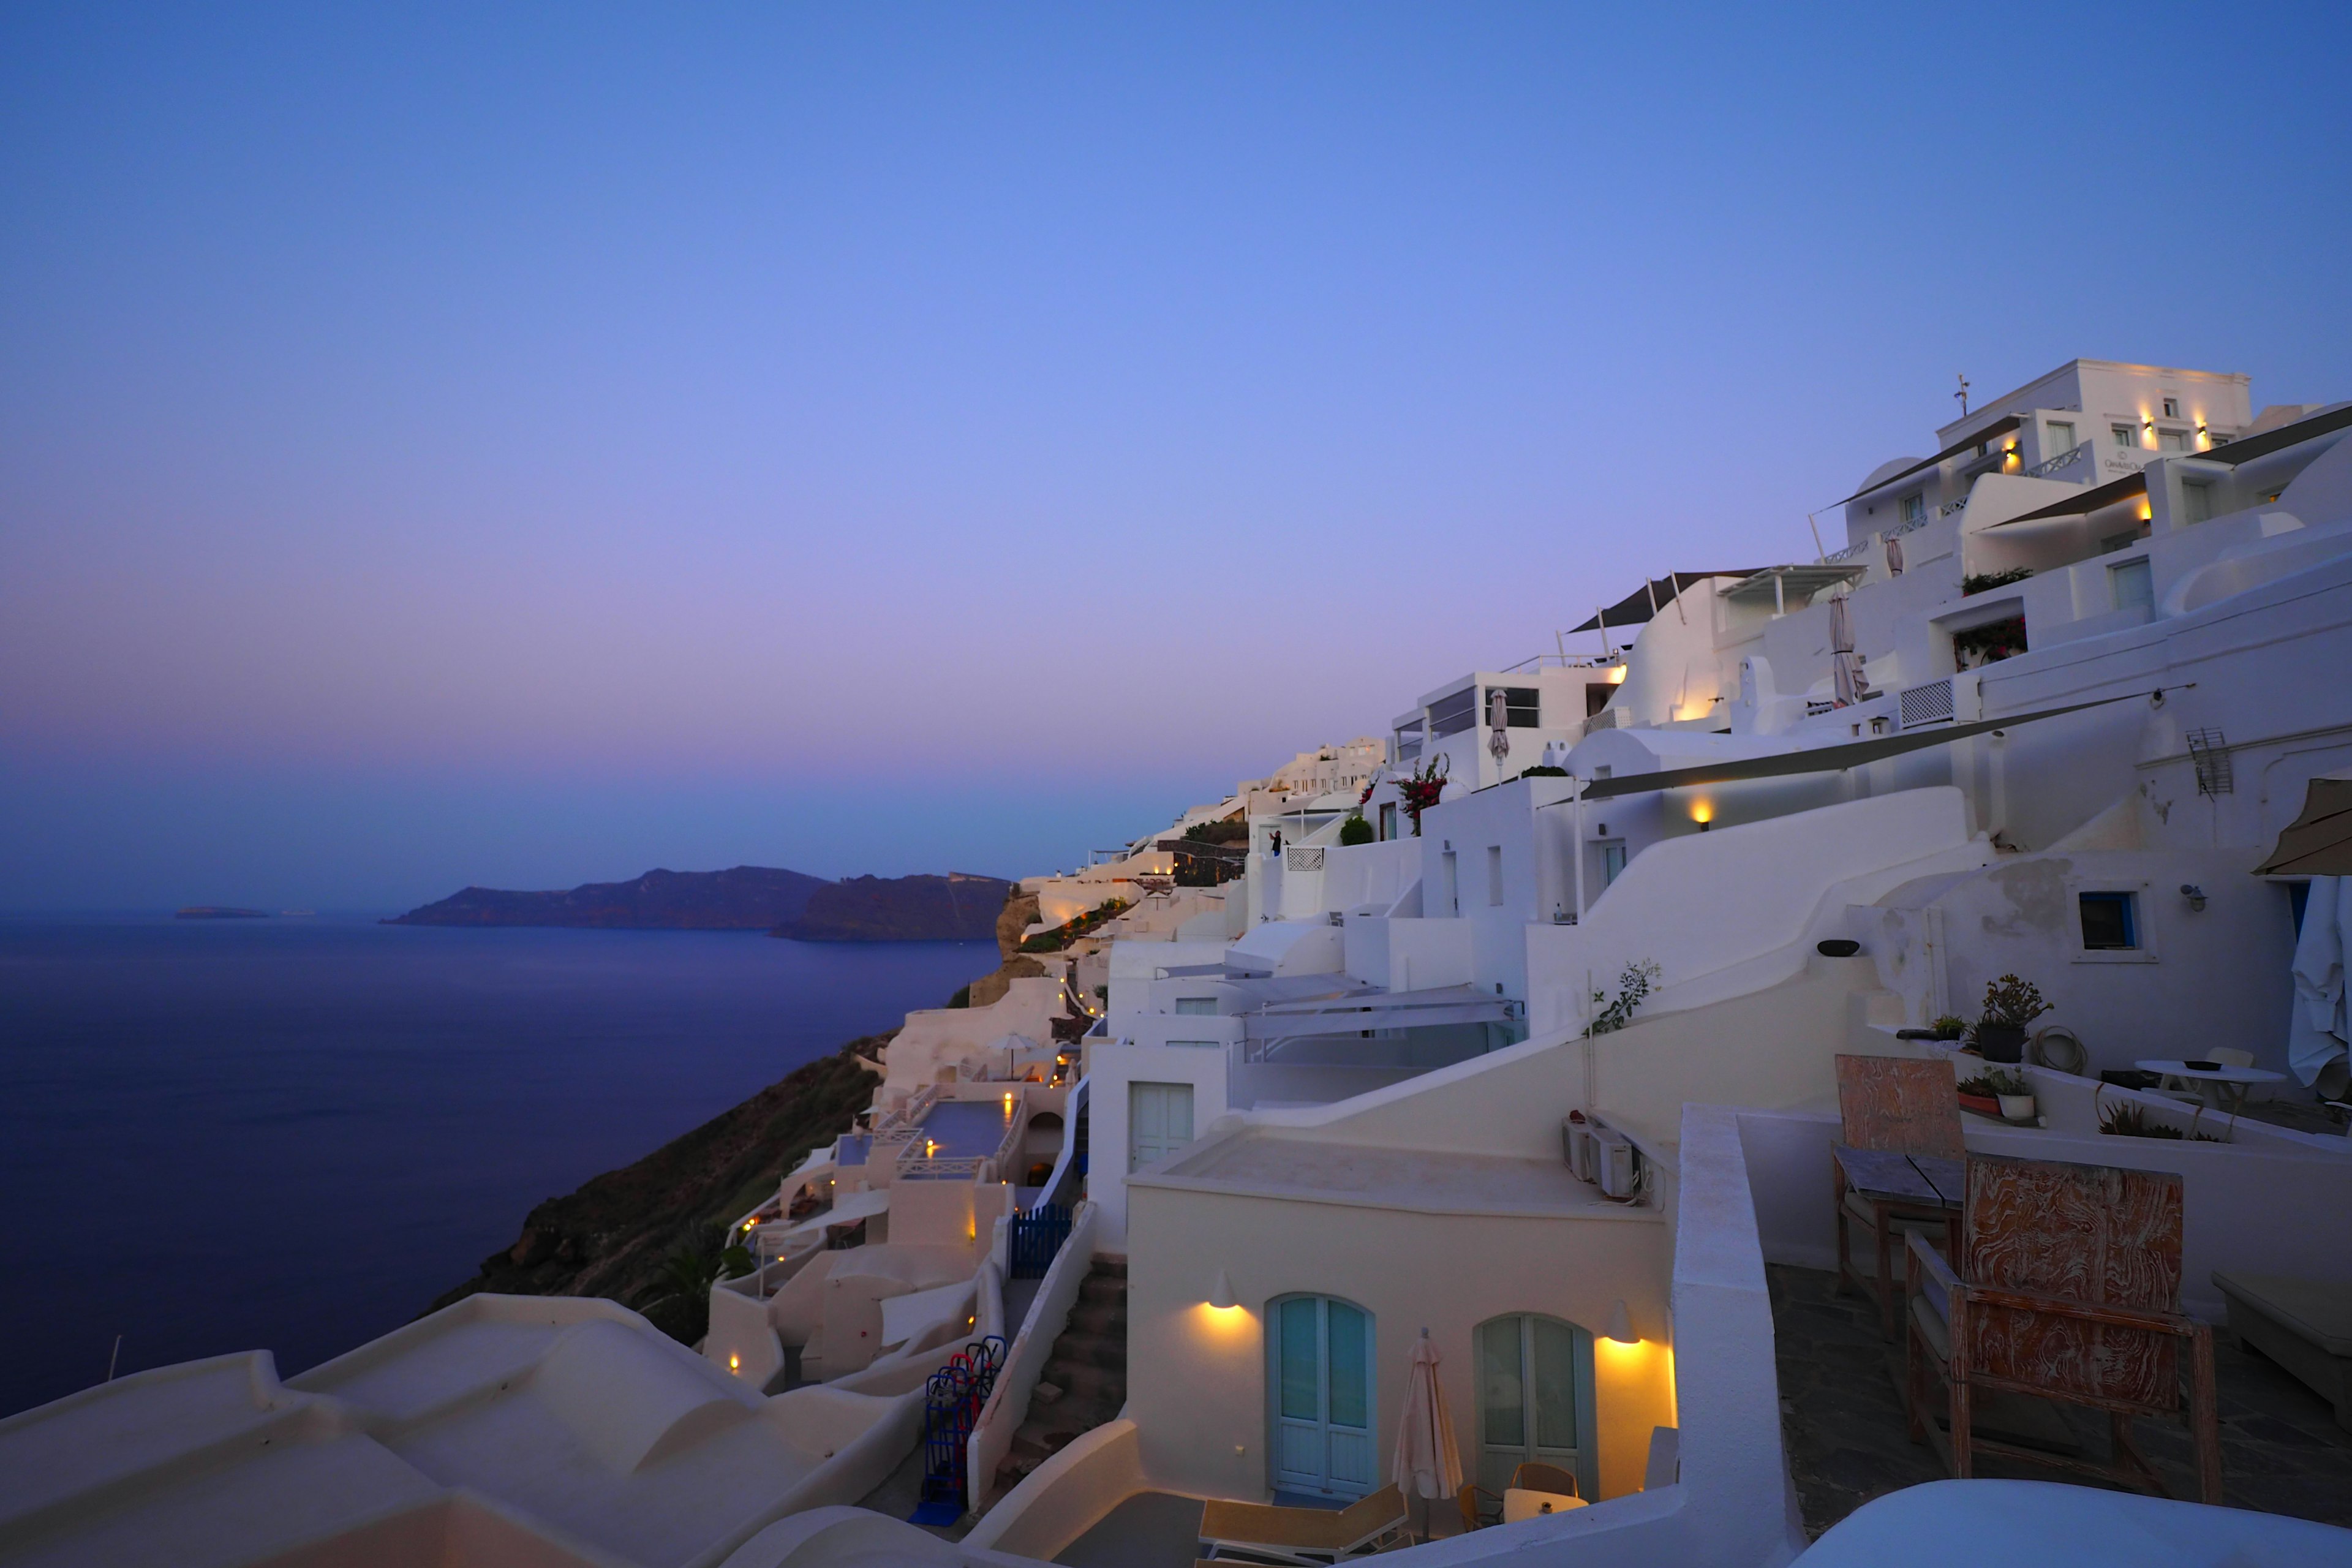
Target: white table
(1518, 1503)
(2229, 1083)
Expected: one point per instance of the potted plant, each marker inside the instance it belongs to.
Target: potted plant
(1977, 1094)
(2014, 1095)
(2010, 1004)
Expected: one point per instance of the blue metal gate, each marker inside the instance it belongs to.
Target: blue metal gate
(1036, 1238)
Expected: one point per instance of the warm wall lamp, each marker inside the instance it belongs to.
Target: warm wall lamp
(1220, 1294)
(1621, 1326)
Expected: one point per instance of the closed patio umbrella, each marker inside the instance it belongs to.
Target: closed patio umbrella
(1428, 1461)
(1842, 675)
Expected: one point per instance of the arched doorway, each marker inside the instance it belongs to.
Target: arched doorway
(1534, 1400)
(1319, 1350)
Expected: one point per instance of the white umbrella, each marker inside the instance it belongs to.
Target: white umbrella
(1841, 661)
(2318, 1033)
(1428, 1461)
(1498, 718)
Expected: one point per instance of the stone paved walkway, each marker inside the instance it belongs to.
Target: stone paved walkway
(1843, 1422)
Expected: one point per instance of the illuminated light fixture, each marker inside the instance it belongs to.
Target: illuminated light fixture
(1617, 676)
(734, 1361)
(1220, 1294)
(2146, 423)
(1621, 1326)
(1701, 814)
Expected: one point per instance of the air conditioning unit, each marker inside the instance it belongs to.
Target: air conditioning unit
(1576, 1145)
(1617, 1165)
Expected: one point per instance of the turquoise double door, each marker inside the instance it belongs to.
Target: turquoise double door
(1323, 1397)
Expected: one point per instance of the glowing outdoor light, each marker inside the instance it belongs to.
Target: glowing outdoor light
(1621, 1326)
(1701, 814)
(734, 1361)
(1220, 1294)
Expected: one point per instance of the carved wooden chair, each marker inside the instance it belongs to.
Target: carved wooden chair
(2067, 1289)
(1895, 1105)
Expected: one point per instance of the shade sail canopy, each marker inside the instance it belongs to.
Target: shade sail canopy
(1635, 607)
(2246, 448)
(2083, 502)
(1991, 432)
(1824, 759)
(1790, 585)
(848, 1209)
(2319, 842)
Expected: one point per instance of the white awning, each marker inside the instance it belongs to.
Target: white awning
(848, 1209)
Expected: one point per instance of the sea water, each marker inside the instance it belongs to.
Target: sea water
(293, 1133)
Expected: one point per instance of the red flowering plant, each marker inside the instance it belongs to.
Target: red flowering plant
(1419, 792)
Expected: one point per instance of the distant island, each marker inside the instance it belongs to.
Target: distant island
(218, 912)
(957, 907)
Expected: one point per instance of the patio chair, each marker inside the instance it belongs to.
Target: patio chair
(1535, 1477)
(2068, 1288)
(1304, 1535)
(1896, 1105)
(1480, 1507)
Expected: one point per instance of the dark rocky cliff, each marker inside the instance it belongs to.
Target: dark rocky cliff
(957, 907)
(616, 1236)
(749, 897)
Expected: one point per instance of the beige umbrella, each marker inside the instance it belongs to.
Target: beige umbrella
(1428, 1461)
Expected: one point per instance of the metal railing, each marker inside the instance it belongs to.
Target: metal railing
(2065, 460)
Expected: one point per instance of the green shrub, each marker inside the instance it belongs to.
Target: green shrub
(1356, 830)
(963, 998)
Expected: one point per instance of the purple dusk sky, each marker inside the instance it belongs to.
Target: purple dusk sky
(527, 446)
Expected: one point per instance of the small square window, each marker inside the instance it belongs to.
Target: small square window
(2110, 922)
(2173, 408)
(2125, 434)
(2061, 438)
(1914, 507)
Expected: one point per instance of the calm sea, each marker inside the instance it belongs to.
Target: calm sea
(294, 1133)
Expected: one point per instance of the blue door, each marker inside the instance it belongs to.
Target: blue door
(1322, 1376)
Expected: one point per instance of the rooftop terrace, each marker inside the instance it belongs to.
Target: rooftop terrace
(1842, 1419)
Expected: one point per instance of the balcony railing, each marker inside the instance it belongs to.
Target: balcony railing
(2066, 460)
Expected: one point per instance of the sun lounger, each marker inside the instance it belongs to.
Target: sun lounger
(1304, 1535)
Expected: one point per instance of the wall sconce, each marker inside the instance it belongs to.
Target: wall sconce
(1621, 1326)
(2195, 895)
(1703, 814)
(1220, 1294)
(2146, 423)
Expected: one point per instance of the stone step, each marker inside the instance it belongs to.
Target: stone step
(1103, 1291)
(1081, 1382)
(1098, 1320)
(1091, 1349)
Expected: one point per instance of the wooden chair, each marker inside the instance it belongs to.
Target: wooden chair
(2068, 1288)
(1895, 1105)
(1304, 1535)
(1480, 1507)
(1536, 1477)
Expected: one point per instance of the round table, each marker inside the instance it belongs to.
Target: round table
(1523, 1502)
(2229, 1083)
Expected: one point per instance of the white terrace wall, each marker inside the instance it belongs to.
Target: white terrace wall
(1708, 904)
(1773, 1048)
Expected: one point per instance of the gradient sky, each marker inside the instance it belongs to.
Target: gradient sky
(529, 447)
